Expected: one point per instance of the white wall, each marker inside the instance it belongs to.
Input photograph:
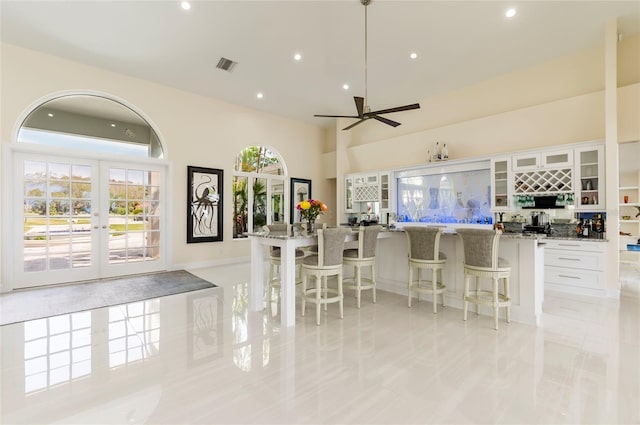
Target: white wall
(196, 130)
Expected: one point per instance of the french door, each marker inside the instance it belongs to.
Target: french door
(79, 219)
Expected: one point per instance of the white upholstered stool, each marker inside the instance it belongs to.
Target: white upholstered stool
(327, 262)
(424, 254)
(481, 260)
(363, 256)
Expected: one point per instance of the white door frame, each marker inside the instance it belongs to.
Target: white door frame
(8, 208)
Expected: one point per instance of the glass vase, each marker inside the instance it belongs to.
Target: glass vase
(311, 227)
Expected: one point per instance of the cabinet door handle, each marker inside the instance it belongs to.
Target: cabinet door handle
(569, 259)
(567, 244)
(569, 277)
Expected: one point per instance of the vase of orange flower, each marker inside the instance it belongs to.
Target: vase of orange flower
(310, 209)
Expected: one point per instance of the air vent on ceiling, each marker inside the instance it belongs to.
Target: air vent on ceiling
(226, 64)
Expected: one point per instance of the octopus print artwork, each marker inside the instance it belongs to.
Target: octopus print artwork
(204, 204)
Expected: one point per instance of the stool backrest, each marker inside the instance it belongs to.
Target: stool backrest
(424, 242)
(278, 229)
(480, 247)
(331, 245)
(368, 241)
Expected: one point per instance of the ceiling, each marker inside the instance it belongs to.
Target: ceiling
(458, 43)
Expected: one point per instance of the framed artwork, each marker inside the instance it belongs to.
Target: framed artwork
(205, 335)
(300, 190)
(204, 204)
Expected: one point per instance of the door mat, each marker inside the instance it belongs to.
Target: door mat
(30, 304)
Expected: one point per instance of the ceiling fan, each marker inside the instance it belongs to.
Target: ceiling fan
(364, 111)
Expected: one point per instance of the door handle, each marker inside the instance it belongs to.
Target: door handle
(104, 226)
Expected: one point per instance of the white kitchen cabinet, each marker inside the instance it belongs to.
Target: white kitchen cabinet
(348, 194)
(547, 159)
(575, 266)
(589, 178)
(366, 188)
(386, 191)
(501, 184)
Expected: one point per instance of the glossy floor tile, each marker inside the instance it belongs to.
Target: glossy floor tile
(200, 357)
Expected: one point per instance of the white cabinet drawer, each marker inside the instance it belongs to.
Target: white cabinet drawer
(574, 259)
(574, 245)
(576, 278)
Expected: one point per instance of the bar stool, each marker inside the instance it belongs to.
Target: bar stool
(424, 254)
(275, 254)
(363, 256)
(481, 259)
(328, 262)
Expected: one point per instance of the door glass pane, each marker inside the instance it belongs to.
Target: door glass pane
(131, 212)
(56, 215)
(59, 171)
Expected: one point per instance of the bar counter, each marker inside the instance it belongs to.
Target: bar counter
(524, 253)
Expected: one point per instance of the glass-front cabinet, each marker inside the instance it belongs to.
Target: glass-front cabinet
(551, 159)
(501, 198)
(589, 184)
(385, 191)
(348, 194)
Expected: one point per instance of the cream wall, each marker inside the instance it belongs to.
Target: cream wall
(558, 102)
(196, 130)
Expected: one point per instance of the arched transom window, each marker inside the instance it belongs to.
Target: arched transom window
(258, 188)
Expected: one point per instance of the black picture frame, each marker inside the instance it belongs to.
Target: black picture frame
(300, 190)
(204, 204)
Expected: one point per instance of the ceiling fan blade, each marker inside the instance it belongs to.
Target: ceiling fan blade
(396, 109)
(354, 124)
(338, 116)
(359, 105)
(386, 121)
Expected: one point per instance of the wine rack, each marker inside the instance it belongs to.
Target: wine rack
(544, 181)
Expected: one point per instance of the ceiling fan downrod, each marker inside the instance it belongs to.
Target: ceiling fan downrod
(363, 110)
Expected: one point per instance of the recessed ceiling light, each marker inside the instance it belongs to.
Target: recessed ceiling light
(259, 95)
(113, 125)
(185, 5)
(510, 13)
(413, 55)
(297, 56)
(345, 86)
(50, 114)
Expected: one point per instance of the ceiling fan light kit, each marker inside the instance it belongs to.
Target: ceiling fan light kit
(363, 110)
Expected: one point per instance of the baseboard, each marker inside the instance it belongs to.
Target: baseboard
(210, 263)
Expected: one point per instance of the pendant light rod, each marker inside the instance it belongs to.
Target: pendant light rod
(365, 3)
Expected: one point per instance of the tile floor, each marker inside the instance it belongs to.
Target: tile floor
(200, 357)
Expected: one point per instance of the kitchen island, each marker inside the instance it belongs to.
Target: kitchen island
(524, 253)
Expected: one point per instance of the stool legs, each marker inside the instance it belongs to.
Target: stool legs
(358, 283)
(434, 286)
(465, 294)
(506, 293)
(318, 295)
(341, 295)
(305, 278)
(494, 289)
(409, 285)
(373, 281)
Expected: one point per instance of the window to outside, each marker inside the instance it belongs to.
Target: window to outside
(258, 190)
(91, 123)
